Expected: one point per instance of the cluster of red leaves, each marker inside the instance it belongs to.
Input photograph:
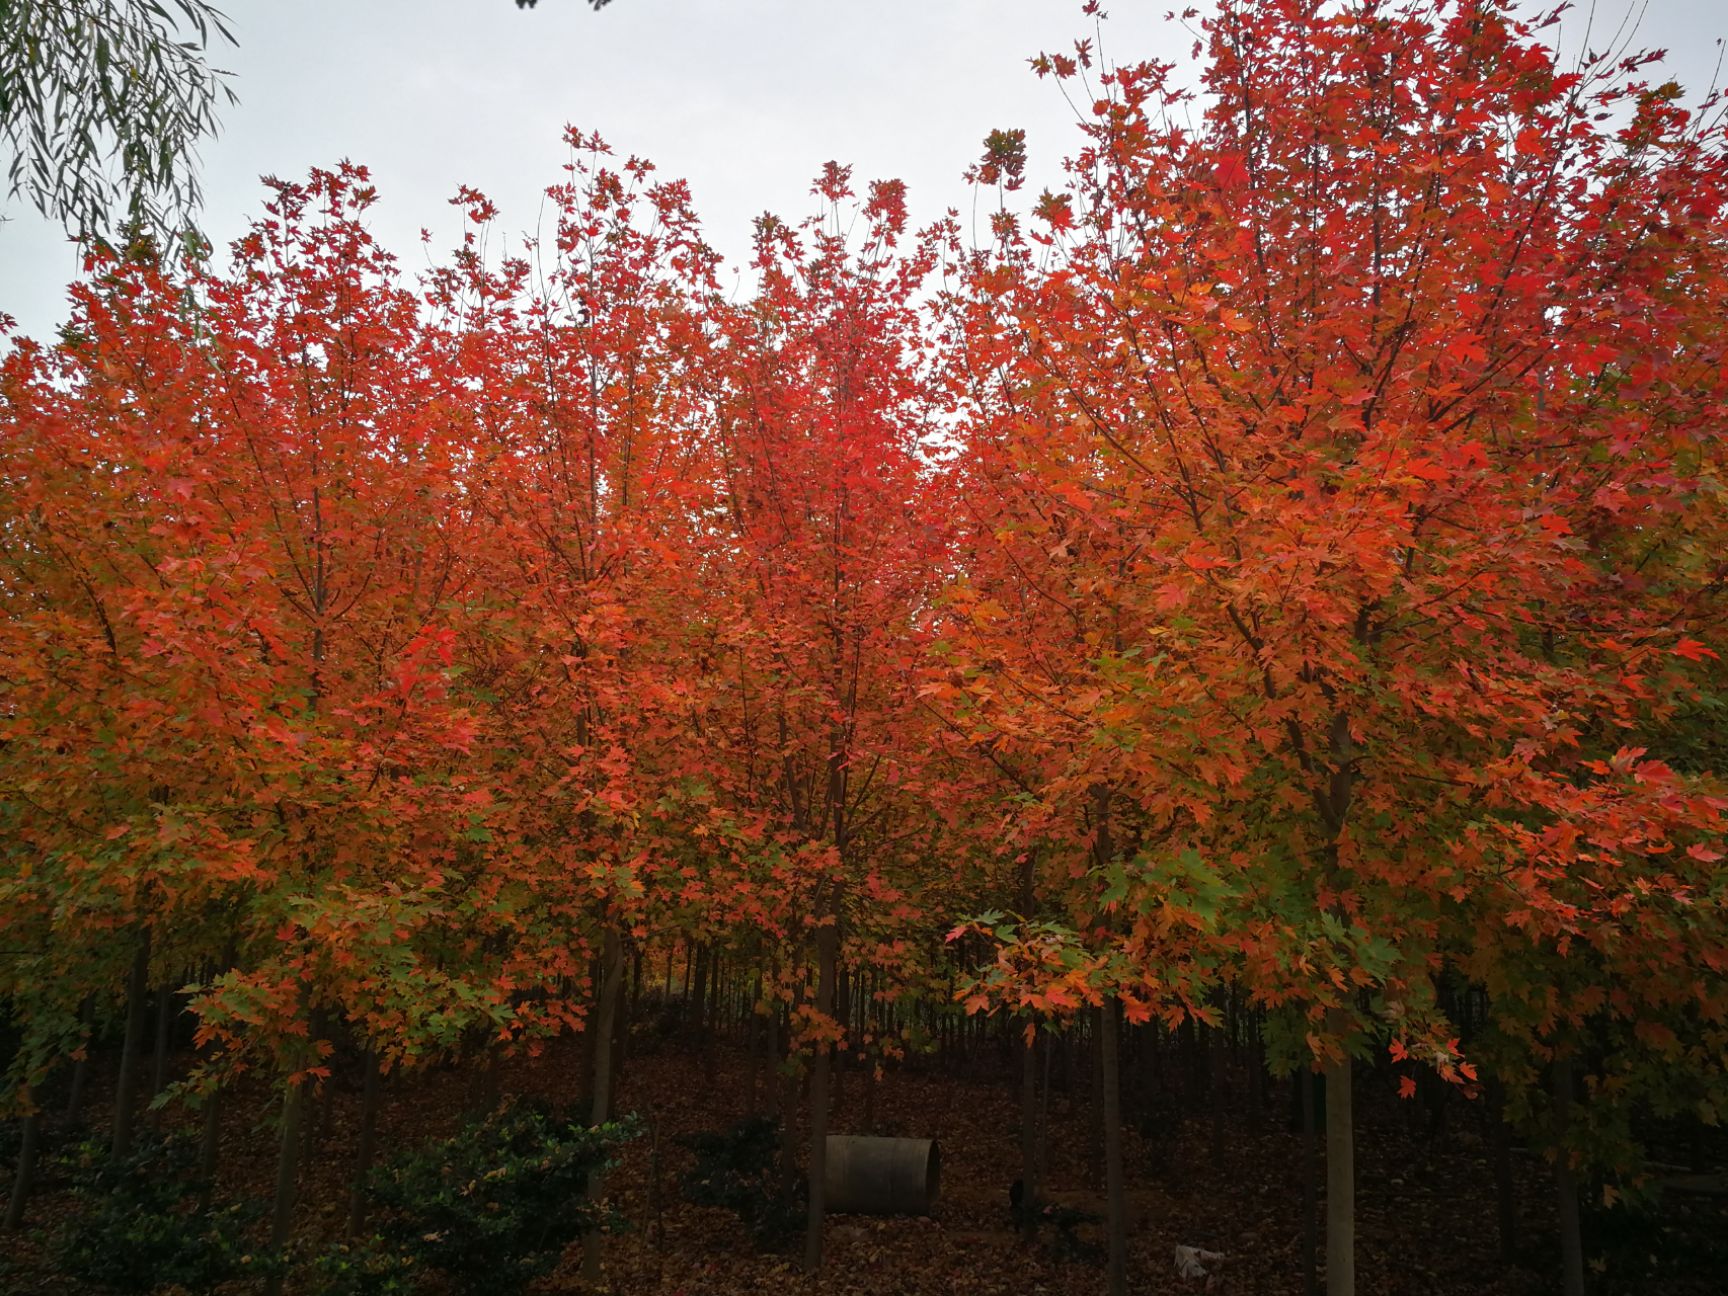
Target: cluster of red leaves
(1342, 498)
(1274, 561)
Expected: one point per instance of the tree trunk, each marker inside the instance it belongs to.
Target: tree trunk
(1306, 1083)
(1256, 1077)
(1044, 1112)
(287, 1178)
(126, 1086)
(621, 1018)
(209, 1144)
(368, 1136)
(605, 1019)
(708, 1012)
(715, 980)
(1340, 1183)
(843, 1019)
(1030, 1188)
(1114, 1187)
(81, 1067)
(753, 1037)
(317, 1104)
(787, 1091)
(1566, 1185)
(870, 1024)
(164, 1024)
(26, 1171)
(1505, 1196)
(699, 993)
(1215, 1091)
(1100, 1120)
(827, 942)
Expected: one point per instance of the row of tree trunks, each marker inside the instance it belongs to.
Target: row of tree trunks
(300, 1110)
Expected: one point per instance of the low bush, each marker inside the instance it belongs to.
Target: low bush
(492, 1208)
(137, 1222)
(372, 1267)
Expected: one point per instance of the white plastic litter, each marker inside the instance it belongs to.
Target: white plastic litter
(1191, 1262)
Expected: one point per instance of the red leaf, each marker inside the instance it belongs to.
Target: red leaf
(1231, 172)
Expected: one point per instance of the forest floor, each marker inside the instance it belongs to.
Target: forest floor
(1426, 1223)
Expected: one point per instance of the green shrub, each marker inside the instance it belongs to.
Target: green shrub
(741, 1171)
(370, 1268)
(494, 1207)
(137, 1223)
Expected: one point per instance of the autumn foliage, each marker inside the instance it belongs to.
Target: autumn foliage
(1282, 566)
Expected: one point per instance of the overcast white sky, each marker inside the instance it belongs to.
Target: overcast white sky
(744, 98)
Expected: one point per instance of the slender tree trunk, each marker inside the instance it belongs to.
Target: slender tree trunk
(1030, 1187)
(842, 1018)
(699, 994)
(287, 1178)
(1256, 1077)
(369, 1088)
(126, 1087)
(707, 1010)
(870, 1064)
(716, 968)
(1115, 1188)
(317, 1104)
(1340, 1183)
(787, 1096)
(81, 1067)
(827, 942)
(1306, 1083)
(25, 1173)
(209, 1146)
(606, 1012)
(1505, 1192)
(621, 1018)
(1215, 1091)
(1566, 1185)
(1100, 1120)
(1031, 1168)
(164, 1024)
(1044, 1112)
(752, 1040)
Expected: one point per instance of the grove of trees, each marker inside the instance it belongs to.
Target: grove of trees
(1268, 590)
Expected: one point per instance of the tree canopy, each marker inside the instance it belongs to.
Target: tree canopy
(1277, 576)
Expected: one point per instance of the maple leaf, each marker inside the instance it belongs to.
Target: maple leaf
(1230, 172)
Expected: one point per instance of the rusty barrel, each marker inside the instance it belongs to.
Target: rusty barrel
(881, 1176)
